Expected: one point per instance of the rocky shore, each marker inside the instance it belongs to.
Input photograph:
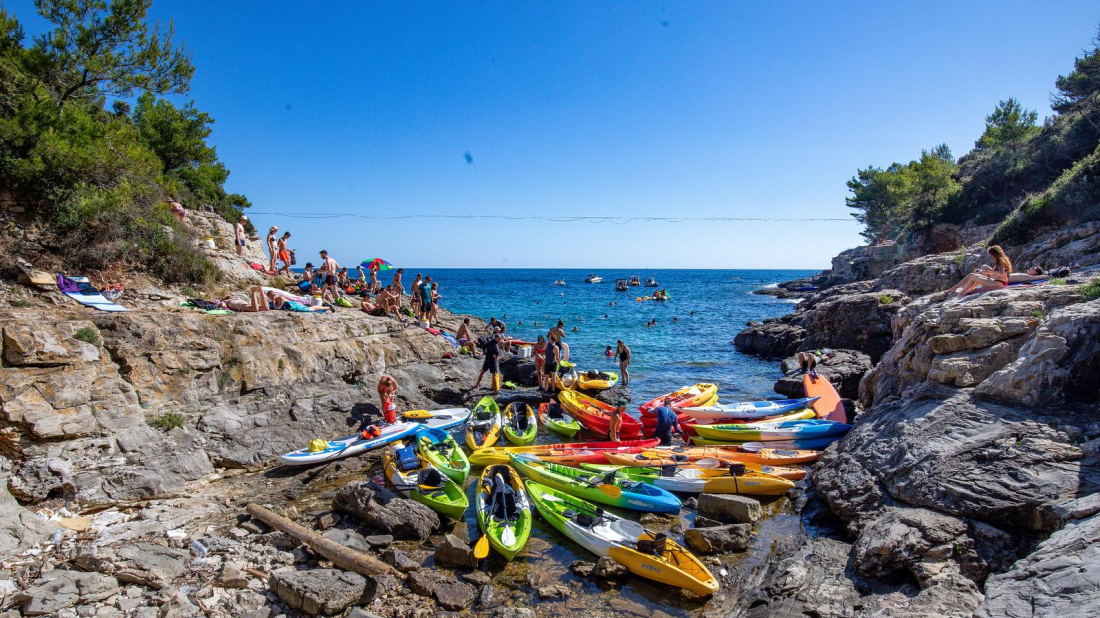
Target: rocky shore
(970, 484)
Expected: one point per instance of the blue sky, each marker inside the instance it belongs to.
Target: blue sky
(750, 109)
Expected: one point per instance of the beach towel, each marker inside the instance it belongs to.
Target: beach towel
(190, 305)
(1035, 282)
(82, 291)
(260, 267)
(450, 339)
(305, 300)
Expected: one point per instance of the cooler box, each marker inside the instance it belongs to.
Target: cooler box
(523, 351)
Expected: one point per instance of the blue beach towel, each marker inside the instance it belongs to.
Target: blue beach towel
(84, 293)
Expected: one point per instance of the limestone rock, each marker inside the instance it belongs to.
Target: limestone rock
(454, 552)
(320, 591)
(606, 568)
(844, 369)
(386, 512)
(60, 589)
(454, 595)
(348, 538)
(735, 508)
(717, 539)
(19, 528)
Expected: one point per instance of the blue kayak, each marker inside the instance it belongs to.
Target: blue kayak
(747, 409)
(809, 444)
(765, 432)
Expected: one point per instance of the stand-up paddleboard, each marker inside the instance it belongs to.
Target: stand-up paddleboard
(828, 405)
(355, 444)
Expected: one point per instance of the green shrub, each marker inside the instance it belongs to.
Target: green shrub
(885, 299)
(169, 420)
(960, 259)
(1091, 291)
(1058, 281)
(21, 303)
(88, 335)
(1037, 314)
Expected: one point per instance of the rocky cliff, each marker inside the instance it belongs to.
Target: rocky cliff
(970, 484)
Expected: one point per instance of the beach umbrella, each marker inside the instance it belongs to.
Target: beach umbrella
(378, 263)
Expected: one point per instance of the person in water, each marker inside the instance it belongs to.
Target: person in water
(387, 392)
(615, 422)
(667, 423)
(609, 352)
(623, 353)
(988, 277)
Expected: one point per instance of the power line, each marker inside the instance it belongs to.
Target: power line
(561, 219)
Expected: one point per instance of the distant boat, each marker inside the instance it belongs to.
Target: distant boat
(650, 282)
(593, 279)
(622, 285)
(559, 282)
(634, 280)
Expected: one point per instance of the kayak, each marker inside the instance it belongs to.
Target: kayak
(441, 450)
(689, 396)
(688, 454)
(695, 480)
(352, 445)
(503, 510)
(495, 455)
(747, 409)
(688, 424)
(484, 428)
(566, 377)
(556, 420)
(595, 415)
(439, 419)
(650, 555)
(794, 445)
(828, 405)
(788, 430)
(720, 467)
(412, 476)
(519, 424)
(602, 380)
(586, 484)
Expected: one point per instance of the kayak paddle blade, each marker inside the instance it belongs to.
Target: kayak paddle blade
(610, 491)
(481, 550)
(752, 447)
(508, 537)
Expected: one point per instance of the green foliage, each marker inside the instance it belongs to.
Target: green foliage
(1091, 290)
(1008, 125)
(169, 420)
(1075, 195)
(22, 303)
(99, 179)
(98, 47)
(960, 259)
(88, 335)
(1082, 84)
(1058, 281)
(885, 299)
(903, 197)
(1037, 314)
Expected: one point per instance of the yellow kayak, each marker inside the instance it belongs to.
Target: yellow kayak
(597, 381)
(696, 395)
(484, 428)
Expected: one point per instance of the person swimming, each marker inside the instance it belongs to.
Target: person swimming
(609, 352)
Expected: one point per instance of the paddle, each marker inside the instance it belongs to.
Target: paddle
(481, 550)
(752, 447)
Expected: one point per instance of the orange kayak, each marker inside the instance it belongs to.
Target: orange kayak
(688, 397)
(595, 415)
(769, 456)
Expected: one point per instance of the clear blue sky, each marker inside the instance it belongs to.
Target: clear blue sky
(602, 108)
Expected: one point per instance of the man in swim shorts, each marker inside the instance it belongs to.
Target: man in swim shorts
(491, 363)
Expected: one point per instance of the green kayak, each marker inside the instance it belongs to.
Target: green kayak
(441, 450)
(609, 488)
(556, 420)
(519, 424)
(503, 510)
(412, 476)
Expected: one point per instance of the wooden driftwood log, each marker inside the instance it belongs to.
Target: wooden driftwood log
(341, 556)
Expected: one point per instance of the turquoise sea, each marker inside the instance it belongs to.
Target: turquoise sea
(690, 343)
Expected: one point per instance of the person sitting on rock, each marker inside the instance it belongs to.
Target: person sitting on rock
(987, 277)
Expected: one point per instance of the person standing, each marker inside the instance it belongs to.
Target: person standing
(550, 365)
(330, 274)
(433, 314)
(426, 300)
(615, 423)
(284, 254)
(387, 392)
(375, 285)
(623, 354)
(667, 422)
(238, 235)
(271, 249)
(397, 287)
(491, 363)
(414, 295)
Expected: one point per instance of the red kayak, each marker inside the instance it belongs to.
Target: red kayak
(571, 455)
(594, 415)
(686, 397)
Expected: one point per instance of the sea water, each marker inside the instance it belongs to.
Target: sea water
(691, 342)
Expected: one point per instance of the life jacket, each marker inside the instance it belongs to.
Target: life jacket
(371, 432)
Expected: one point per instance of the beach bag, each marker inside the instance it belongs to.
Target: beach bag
(317, 445)
(406, 458)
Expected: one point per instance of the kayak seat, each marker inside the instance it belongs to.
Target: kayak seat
(429, 478)
(406, 459)
(586, 520)
(738, 469)
(668, 471)
(504, 500)
(679, 458)
(655, 546)
(555, 412)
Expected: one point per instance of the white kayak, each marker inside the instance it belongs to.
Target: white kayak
(355, 444)
(747, 409)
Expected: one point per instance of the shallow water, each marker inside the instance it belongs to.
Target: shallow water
(682, 349)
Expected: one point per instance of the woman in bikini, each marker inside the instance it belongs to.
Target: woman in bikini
(988, 278)
(256, 302)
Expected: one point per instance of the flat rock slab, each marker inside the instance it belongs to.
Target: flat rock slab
(320, 591)
(732, 537)
(386, 512)
(60, 589)
(734, 508)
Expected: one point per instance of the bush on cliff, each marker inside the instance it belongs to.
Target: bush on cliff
(1027, 177)
(98, 180)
